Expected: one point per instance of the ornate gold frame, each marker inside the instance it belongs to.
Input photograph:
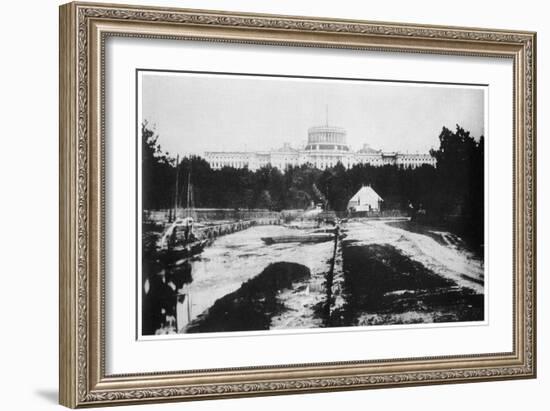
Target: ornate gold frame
(83, 30)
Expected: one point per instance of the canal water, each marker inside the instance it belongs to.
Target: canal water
(226, 264)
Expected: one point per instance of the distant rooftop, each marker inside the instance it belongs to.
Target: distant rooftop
(367, 149)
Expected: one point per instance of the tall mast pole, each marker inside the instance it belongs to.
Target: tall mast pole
(177, 183)
(189, 189)
(326, 115)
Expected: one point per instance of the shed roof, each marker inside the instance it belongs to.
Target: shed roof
(366, 193)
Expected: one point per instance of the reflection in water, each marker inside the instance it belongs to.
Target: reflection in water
(165, 293)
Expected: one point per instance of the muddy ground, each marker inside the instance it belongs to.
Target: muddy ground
(383, 286)
(383, 273)
(254, 304)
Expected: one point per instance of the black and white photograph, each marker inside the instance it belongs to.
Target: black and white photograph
(270, 202)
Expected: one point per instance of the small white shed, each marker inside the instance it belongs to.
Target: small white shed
(366, 199)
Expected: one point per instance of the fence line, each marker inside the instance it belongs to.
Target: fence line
(214, 231)
(209, 214)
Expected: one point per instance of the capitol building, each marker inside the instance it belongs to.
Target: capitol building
(326, 146)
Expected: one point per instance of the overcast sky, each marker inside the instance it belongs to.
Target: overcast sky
(193, 113)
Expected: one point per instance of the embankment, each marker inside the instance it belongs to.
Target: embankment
(383, 286)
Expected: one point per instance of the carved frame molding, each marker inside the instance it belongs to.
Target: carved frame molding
(83, 30)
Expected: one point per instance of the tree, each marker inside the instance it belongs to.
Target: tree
(460, 181)
(265, 200)
(334, 184)
(157, 171)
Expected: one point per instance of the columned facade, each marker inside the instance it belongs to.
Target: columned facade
(326, 146)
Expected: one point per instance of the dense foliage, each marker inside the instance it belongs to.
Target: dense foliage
(158, 172)
(451, 193)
